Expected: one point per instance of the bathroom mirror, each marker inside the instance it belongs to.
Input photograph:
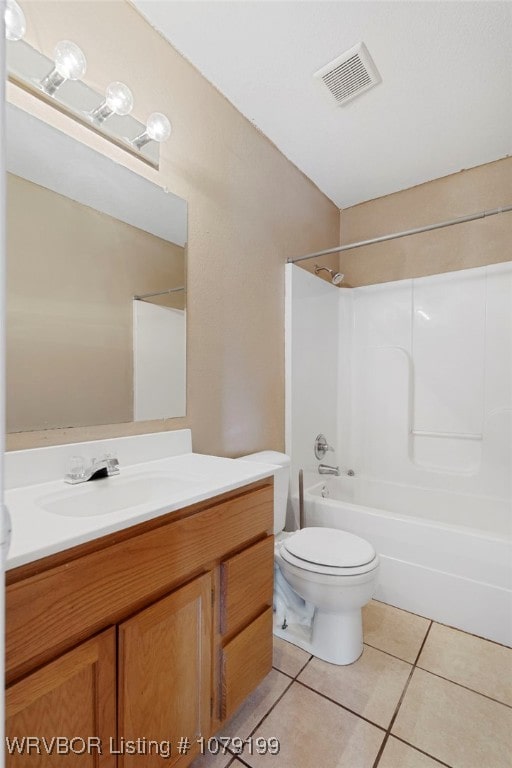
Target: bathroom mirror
(85, 236)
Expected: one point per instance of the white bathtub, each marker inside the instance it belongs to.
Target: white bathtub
(443, 555)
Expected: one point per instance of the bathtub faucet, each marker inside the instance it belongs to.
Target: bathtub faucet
(326, 469)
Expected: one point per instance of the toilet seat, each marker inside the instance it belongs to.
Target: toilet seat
(329, 551)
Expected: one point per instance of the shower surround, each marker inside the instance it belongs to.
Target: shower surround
(412, 383)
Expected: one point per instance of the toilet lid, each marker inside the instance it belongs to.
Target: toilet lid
(330, 547)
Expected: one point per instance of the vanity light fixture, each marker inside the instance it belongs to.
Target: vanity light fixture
(118, 101)
(158, 128)
(15, 23)
(109, 114)
(70, 64)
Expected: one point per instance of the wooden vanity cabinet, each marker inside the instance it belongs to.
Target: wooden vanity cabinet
(152, 634)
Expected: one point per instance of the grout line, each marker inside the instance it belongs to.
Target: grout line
(393, 655)
(442, 624)
(288, 674)
(301, 670)
(343, 706)
(267, 713)
(422, 751)
(294, 678)
(276, 702)
(472, 634)
(436, 674)
(403, 610)
(241, 760)
(397, 708)
(466, 687)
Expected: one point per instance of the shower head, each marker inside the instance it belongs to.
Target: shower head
(336, 277)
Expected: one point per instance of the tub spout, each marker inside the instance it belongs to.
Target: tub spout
(326, 469)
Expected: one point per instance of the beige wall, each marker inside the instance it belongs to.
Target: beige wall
(71, 276)
(249, 209)
(473, 244)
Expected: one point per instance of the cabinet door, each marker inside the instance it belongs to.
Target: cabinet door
(73, 697)
(165, 676)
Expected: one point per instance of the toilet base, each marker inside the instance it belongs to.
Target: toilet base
(333, 637)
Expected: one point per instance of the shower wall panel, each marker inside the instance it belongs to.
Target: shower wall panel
(430, 381)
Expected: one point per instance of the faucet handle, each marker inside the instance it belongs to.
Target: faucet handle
(75, 469)
(112, 464)
(321, 447)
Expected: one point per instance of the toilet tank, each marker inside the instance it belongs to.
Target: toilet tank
(281, 482)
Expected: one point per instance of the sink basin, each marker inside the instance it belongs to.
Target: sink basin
(114, 494)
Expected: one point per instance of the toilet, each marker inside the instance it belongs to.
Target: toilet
(323, 577)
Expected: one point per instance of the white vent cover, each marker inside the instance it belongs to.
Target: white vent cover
(349, 75)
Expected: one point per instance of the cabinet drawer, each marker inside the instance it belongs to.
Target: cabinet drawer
(245, 662)
(74, 600)
(247, 584)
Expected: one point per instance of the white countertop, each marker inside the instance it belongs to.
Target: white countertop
(168, 484)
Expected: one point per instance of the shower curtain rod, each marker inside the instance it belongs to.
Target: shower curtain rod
(138, 297)
(440, 225)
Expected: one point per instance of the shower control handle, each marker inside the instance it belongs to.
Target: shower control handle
(321, 447)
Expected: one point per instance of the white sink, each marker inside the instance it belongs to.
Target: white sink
(159, 475)
(113, 494)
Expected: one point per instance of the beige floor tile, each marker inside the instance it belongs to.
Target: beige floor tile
(372, 686)
(256, 705)
(455, 725)
(254, 708)
(468, 660)
(288, 658)
(314, 732)
(212, 761)
(398, 755)
(393, 630)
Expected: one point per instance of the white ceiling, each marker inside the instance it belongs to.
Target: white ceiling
(445, 101)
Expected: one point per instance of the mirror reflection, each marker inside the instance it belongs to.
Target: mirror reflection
(85, 236)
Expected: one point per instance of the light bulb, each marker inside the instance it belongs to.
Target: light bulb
(119, 99)
(15, 23)
(69, 60)
(158, 127)
(70, 64)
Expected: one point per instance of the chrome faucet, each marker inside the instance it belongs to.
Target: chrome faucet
(80, 472)
(326, 469)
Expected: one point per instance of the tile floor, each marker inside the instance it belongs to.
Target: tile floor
(422, 695)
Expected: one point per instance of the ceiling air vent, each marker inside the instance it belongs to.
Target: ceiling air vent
(349, 75)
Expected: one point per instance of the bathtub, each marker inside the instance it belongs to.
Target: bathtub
(443, 555)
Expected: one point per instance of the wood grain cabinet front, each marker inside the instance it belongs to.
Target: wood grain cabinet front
(72, 698)
(120, 640)
(165, 657)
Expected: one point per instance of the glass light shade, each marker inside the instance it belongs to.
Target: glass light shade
(158, 127)
(119, 98)
(15, 23)
(69, 60)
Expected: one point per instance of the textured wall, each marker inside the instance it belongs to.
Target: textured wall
(473, 244)
(249, 209)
